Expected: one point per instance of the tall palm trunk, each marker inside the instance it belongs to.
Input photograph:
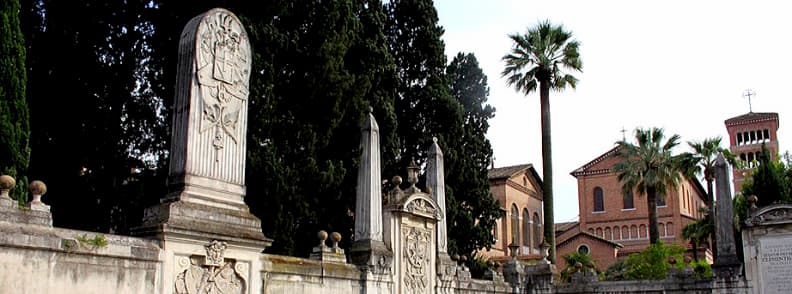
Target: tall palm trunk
(651, 198)
(547, 166)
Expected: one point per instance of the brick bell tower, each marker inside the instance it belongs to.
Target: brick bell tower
(747, 133)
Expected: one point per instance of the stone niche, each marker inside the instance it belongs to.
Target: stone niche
(767, 244)
(410, 219)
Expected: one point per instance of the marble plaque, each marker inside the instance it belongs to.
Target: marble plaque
(775, 264)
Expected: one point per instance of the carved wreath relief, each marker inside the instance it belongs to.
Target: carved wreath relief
(214, 275)
(417, 253)
(223, 74)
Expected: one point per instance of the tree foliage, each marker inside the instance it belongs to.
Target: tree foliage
(472, 206)
(96, 118)
(650, 168)
(14, 114)
(319, 66)
(771, 181)
(540, 58)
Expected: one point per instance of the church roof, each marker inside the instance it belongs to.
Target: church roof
(583, 169)
(510, 171)
(751, 117)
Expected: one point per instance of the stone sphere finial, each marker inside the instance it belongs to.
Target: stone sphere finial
(578, 265)
(455, 257)
(687, 259)
(38, 188)
(322, 235)
(672, 260)
(752, 199)
(397, 180)
(434, 139)
(428, 190)
(335, 237)
(463, 258)
(7, 182)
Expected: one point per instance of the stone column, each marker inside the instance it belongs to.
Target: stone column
(726, 265)
(435, 181)
(368, 250)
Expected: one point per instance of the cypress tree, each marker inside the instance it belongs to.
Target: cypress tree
(14, 116)
(469, 176)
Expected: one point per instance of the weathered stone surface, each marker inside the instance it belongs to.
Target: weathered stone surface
(727, 265)
(368, 201)
(41, 259)
(767, 246)
(208, 144)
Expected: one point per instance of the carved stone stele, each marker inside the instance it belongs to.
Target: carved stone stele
(207, 157)
(207, 167)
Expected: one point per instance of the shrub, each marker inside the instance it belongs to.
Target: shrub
(652, 263)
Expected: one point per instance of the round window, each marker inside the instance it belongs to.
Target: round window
(583, 249)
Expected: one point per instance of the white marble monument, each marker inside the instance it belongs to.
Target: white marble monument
(212, 243)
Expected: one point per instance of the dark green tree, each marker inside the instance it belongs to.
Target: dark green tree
(650, 168)
(96, 119)
(322, 65)
(423, 104)
(469, 174)
(14, 115)
(538, 60)
(769, 181)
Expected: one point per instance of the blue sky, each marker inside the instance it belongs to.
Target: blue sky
(679, 65)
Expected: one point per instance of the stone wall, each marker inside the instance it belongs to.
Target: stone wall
(41, 259)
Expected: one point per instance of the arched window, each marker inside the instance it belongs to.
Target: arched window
(661, 229)
(634, 232)
(628, 200)
(626, 232)
(660, 201)
(495, 232)
(670, 229)
(526, 228)
(739, 139)
(599, 232)
(617, 233)
(766, 135)
(598, 203)
(537, 224)
(608, 234)
(515, 225)
(642, 231)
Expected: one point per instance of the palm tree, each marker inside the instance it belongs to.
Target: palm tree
(698, 233)
(651, 169)
(538, 58)
(703, 160)
(703, 157)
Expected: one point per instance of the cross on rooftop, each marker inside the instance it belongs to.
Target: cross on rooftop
(748, 93)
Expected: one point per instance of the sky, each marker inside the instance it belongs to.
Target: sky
(679, 65)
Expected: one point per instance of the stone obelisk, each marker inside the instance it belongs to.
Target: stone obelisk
(435, 181)
(727, 265)
(368, 250)
(203, 223)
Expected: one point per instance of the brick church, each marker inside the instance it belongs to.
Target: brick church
(611, 225)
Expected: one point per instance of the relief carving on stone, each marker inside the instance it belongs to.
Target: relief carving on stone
(421, 206)
(417, 254)
(782, 212)
(223, 75)
(210, 274)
